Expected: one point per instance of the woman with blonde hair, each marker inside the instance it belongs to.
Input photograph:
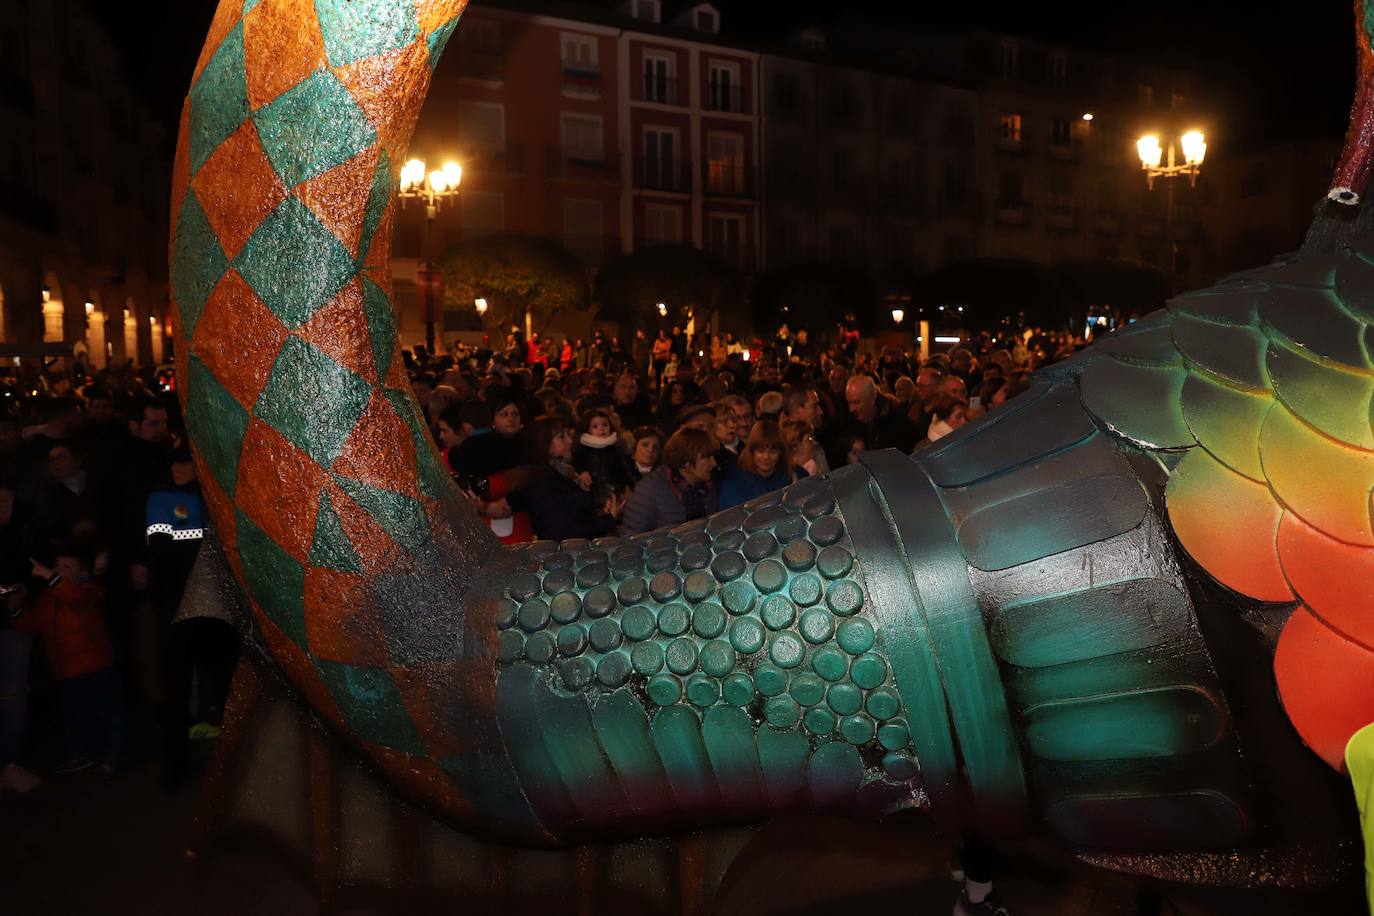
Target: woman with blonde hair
(765, 464)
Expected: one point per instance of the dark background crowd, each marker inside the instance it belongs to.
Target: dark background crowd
(101, 516)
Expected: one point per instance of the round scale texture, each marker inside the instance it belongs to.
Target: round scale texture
(769, 576)
(717, 658)
(830, 663)
(708, 620)
(868, 671)
(664, 689)
(539, 648)
(787, 650)
(894, 735)
(817, 626)
(566, 607)
(728, 566)
(631, 591)
(789, 529)
(572, 639)
(674, 619)
(883, 704)
(695, 557)
(738, 597)
(699, 586)
(900, 766)
(819, 505)
(747, 635)
(845, 698)
(778, 612)
(807, 689)
(591, 576)
(681, 656)
(534, 615)
(576, 673)
(613, 669)
(805, 589)
(638, 623)
(844, 597)
(703, 690)
(738, 689)
(834, 562)
(760, 546)
(506, 611)
(605, 635)
(781, 711)
(857, 729)
(799, 556)
(819, 721)
(855, 636)
(665, 586)
(522, 586)
(770, 680)
(558, 581)
(599, 602)
(826, 531)
(647, 658)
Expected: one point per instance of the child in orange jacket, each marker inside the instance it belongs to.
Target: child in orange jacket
(67, 617)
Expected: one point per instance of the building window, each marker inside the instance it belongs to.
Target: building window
(1177, 101)
(725, 163)
(1147, 94)
(706, 20)
(482, 126)
(580, 54)
(583, 232)
(646, 10)
(661, 161)
(481, 36)
(1011, 128)
(1006, 60)
(1061, 132)
(1059, 70)
(481, 213)
(725, 237)
(662, 224)
(1061, 194)
(659, 85)
(581, 136)
(724, 87)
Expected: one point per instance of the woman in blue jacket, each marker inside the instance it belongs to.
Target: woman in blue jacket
(765, 464)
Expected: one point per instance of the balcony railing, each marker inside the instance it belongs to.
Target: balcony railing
(659, 174)
(724, 97)
(741, 257)
(583, 165)
(477, 65)
(1016, 144)
(1067, 152)
(650, 87)
(729, 180)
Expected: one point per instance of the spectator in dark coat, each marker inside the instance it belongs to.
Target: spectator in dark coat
(873, 418)
(561, 504)
(679, 491)
(765, 465)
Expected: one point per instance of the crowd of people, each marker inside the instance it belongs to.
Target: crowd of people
(101, 515)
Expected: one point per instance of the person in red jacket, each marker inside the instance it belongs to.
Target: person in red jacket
(67, 618)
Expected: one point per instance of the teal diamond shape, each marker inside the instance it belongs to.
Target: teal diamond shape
(248, 6)
(219, 99)
(198, 262)
(438, 39)
(294, 264)
(399, 515)
(274, 578)
(357, 29)
(377, 199)
(331, 547)
(371, 705)
(216, 422)
(381, 326)
(312, 127)
(432, 473)
(312, 400)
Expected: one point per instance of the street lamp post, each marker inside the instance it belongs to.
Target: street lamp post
(1151, 153)
(433, 188)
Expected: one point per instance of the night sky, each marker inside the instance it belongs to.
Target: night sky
(1272, 74)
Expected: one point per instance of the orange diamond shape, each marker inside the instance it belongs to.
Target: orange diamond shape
(341, 623)
(341, 331)
(380, 450)
(389, 88)
(237, 337)
(339, 197)
(279, 488)
(282, 45)
(237, 188)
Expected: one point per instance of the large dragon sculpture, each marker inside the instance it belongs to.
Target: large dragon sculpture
(1076, 614)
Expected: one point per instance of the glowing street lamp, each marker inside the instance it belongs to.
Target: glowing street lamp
(1151, 154)
(897, 316)
(433, 187)
(663, 310)
(481, 306)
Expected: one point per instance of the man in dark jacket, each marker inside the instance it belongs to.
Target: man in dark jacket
(874, 418)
